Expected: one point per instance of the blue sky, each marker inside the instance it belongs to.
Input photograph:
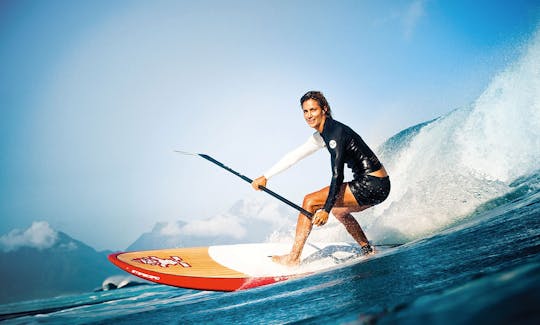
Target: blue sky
(95, 96)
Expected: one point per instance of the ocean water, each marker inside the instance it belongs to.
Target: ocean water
(466, 201)
(485, 270)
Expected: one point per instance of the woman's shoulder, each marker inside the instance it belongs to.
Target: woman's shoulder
(341, 125)
(317, 139)
(337, 127)
(345, 128)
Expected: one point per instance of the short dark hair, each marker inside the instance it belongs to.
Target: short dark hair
(321, 100)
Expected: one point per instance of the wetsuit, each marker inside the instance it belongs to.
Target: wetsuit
(345, 147)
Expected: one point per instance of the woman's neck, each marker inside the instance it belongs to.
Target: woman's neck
(320, 127)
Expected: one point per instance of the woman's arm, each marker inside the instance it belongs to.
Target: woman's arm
(314, 143)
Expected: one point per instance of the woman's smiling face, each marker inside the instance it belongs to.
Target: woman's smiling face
(314, 114)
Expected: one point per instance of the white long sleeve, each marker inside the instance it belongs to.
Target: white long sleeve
(314, 143)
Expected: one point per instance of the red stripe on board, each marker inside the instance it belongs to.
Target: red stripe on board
(191, 282)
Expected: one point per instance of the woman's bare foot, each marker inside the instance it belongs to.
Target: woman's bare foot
(285, 260)
(367, 250)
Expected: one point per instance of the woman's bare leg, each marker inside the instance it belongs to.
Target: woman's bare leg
(313, 202)
(303, 229)
(353, 227)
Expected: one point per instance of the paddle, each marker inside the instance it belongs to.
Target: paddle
(249, 180)
(274, 194)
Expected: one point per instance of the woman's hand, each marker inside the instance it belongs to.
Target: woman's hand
(261, 181)
(320, 218)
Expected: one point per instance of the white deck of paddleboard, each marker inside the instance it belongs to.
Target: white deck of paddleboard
(255, 259)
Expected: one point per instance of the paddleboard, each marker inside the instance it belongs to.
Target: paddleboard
(230, 267)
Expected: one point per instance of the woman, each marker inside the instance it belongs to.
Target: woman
(370, 184)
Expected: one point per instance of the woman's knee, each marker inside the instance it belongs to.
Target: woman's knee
(312, 202)
(309, 202)
(342, 214)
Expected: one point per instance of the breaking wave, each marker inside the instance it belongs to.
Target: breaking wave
(444, 169)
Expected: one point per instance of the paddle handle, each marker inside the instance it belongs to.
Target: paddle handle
(263, 188)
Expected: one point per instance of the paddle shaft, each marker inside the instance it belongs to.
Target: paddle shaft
(263, 188)
(274, 194)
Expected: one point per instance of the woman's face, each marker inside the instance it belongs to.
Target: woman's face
(313, 114)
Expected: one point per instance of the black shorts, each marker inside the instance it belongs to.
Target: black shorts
(370, 190)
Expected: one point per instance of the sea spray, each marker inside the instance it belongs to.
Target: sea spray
(500, 139)
(456, 163)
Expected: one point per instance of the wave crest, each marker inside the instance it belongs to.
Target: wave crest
(442, 170)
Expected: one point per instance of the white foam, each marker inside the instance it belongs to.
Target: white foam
(465, 158)
(256, 258)
(500, 139)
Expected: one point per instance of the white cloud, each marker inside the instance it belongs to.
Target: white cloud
(221, 225)
(171, 229)
(39, 235)
(412, 15)
(71, 246)
(271, 211)
(216, 226)
(244, 214)
(405, 18)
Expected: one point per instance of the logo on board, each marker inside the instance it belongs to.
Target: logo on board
(162, 262)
